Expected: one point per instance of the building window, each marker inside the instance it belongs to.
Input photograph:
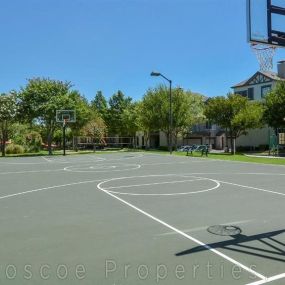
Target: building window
(242, 93)
(250, 93)
(264, 90)
(208, 125)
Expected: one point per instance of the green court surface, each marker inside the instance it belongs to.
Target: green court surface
(141, 218)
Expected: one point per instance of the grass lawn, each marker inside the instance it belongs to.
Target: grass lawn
(68, 152)
(220, 156)
(236, 157)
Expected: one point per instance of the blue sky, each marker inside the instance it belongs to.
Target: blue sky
(114, 44)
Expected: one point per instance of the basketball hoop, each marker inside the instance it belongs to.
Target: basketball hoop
(264, 54)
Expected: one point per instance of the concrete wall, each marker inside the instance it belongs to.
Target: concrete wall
(254, 138)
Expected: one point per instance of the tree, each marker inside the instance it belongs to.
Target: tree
(274, 113)
(234, 113)
(40, 99)
(99, 104)
(96, 129)
(187, 109)
(118, 103)
(83, 114)
(130, 119)
(151, 112)
(8, 112)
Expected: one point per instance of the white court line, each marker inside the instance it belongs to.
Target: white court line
(251, 187)
(48, 188)
(182, 233)
(32, 171)
(267, 280)
(205, 227)
(48, 160)
(155, 183)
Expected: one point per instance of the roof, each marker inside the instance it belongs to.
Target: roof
(269, 74)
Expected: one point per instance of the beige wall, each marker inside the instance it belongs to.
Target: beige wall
(254, 138)
(257, 89)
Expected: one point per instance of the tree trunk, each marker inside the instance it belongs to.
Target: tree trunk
(75, 143)
(3, 147)
(49, 140)
(232, 142)
(4, 138)
(175, 141)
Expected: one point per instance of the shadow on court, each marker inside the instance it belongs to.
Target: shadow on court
(275, 248)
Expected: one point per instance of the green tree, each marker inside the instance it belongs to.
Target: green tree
(187, 109)
(274, 113)
(8, 112)
(236, 114)
(40, 99)
(118, 103)
(84, 114)
(130, 119)
(99, 104)
(151, 112)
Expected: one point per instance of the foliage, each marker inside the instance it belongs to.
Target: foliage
(40, 99)
(118, 103)
(187, 109)
(15, 149)
(234, 113)
(95, 128)
(83, 112)
(274, 112)
(130, 119)
(33, 141)
(99, 104)
(19, 132)
(8, 112)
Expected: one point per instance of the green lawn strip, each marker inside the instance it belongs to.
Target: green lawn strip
(227, 156)
(68, 152)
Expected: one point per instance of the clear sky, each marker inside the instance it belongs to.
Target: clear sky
(114, 44)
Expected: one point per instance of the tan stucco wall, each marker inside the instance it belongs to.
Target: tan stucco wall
(254, 138)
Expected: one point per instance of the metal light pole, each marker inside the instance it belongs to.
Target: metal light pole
(170, 145)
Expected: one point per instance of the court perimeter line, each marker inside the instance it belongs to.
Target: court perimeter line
(48, 188)
(46, 159)
(251, 187)
(32, 171)
(267, 280)
(182, 233)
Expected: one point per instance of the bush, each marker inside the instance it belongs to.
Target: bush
(33, 141)
(165, 148)
(14, 149)
(263, 147)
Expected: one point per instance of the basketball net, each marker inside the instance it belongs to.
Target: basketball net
(264, 54)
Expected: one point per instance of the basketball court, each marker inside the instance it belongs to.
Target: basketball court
(141, 218)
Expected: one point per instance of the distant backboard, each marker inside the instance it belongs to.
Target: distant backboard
(65, 116)
(266, 22)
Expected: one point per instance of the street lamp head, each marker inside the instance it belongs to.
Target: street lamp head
(155, 74)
